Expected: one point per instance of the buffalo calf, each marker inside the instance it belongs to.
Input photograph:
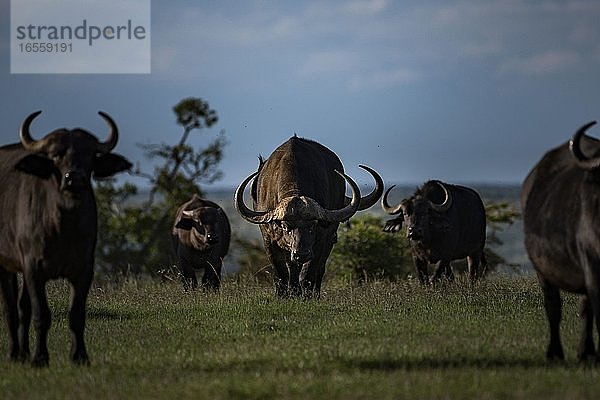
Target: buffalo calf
(201, 235)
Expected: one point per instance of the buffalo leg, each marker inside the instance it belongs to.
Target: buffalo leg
(8, 285)
(79, 294)
(36, 285)
(311, 278)
(443, 268)
(473, 262)
(592, 283)
(319, 279)
(24, 321)
(188, 275)
(449, 273)
(552, 305)
(311, 275)
(586, 343)
(421, 268)
(294, 279)
(278, 259)
(317, 266)
(212, 275)
(282, 279)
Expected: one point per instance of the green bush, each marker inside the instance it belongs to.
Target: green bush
(364, 252)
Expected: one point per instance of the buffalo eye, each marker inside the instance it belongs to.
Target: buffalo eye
(57, 155)
(199, 228)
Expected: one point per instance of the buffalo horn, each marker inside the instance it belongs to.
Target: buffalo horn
(370, 199)
(256, 217)
(113, 135)
(582, 161)
(392, 210)
(348, 211)
(447, 200)
(27, 141)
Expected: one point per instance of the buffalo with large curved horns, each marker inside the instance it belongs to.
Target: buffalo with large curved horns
(201, 234)
(299, 202)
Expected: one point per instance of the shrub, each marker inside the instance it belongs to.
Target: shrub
(364, 252)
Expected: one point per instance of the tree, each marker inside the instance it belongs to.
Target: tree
(134, 234)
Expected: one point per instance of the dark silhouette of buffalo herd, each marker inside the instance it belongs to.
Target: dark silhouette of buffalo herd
(49, 226)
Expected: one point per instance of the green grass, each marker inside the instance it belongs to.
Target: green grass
(380, 340)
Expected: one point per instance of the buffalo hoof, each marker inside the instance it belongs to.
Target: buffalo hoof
(80, 357)
(84, 362)
(587, 356)
(40, 362)
(555, 357)
(23, 356)
(14, 356)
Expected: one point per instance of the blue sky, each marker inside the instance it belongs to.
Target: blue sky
(465, 91)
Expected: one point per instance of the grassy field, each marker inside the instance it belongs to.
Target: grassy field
(378, 341)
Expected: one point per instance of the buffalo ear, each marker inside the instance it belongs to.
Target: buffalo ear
(185, 223)
(109, 164)
(407, 207)
(36, 164)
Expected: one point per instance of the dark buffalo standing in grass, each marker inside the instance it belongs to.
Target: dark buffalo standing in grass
(299, 202)
(48, 229)
(560, 200)
(443, 223)
(201, 235)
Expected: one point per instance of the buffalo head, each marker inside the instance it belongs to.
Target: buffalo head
(71, 155)
(203, 222)
(294, 221)
(421, 213)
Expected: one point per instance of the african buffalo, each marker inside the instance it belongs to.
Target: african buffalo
(48, 229)
(443, 223)
(299, 201)
(560, 200)
(201, 235)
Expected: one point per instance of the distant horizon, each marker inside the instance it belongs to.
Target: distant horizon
(216, 186)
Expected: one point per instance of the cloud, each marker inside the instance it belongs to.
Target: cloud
(549, 62)
(583, 34)
(366, 42)
(357, 71)
(326, 62)
(482, 48)
(385, 79)
(366, 7)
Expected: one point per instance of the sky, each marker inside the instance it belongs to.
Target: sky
(463, 91)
